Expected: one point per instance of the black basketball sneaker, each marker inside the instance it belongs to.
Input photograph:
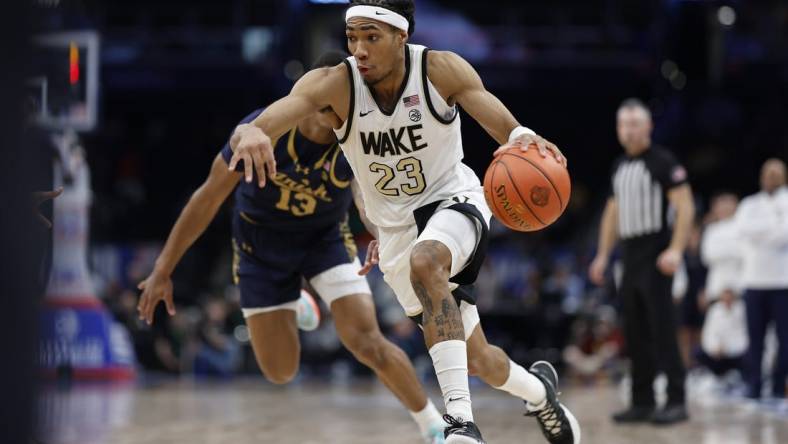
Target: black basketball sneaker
(461, 432)
(558, 424)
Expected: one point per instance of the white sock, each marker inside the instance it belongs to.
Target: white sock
(524, 385)
(427, 417)
(450, 359)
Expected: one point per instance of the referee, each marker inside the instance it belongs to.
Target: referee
(649, 194)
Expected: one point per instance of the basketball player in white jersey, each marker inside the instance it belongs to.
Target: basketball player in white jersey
(395, 113)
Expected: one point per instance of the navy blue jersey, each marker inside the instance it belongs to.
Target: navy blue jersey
(311, 189)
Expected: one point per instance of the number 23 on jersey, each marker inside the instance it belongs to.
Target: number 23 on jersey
(410, 166)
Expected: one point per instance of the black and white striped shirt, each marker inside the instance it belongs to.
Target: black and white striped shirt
(640, 185)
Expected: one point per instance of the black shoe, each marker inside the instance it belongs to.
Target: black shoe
(558, 424)
(634, 414)
(671, 414)
(461, 432)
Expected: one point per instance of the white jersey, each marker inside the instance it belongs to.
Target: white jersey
(408, 158)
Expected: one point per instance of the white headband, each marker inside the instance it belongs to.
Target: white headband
(380, 14)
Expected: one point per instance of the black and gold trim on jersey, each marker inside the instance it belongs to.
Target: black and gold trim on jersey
(352, 108)
(427, 95)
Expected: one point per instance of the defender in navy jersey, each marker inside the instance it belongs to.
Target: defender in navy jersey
(293, 229)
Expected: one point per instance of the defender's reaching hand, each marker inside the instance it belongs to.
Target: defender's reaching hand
(252, 146)
(372, 258)
(154, 289)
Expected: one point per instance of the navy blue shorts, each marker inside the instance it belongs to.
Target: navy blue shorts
(268, 265)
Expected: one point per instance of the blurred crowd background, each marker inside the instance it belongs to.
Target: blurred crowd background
(176, 76)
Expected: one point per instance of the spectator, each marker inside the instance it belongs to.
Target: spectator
(720, 248)
(762, 223)
(218, 353)
(724, 338)
(596, 343)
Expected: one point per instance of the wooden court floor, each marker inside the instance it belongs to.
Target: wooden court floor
(252, 411)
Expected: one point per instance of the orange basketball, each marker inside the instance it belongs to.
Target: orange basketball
(526, 191)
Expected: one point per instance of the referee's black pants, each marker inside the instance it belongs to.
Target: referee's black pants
(650, 327)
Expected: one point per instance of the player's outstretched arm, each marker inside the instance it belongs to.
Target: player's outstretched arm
(457, 81)
(192, 222)
(318, 89)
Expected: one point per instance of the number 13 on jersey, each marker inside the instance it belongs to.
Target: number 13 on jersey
(411, 166)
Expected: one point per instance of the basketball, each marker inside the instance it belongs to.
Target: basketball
(526, 191)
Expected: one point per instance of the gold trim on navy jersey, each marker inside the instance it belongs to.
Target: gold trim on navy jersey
(332, 171)
(246, 217)
(236, 265)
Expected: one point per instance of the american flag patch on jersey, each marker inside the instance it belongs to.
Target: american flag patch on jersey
(411, 100)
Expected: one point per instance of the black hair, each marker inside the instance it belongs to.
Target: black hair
(405, 8)
(329, 58)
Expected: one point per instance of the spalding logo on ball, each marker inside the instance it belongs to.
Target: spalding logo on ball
(526, 191)
(540, 195)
